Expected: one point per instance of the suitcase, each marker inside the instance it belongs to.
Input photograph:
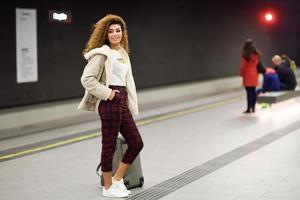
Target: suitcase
(134, 175)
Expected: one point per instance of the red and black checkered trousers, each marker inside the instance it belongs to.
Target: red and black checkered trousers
(116, 117)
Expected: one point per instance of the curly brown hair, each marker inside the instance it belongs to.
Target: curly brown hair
(100, 30)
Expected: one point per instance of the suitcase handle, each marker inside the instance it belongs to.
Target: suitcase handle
(97, 169)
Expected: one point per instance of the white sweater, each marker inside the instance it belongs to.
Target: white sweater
(120, 69)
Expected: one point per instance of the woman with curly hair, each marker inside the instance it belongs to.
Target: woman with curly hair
(110, 89)
(248, 71)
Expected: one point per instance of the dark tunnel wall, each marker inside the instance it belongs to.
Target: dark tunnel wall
(170, 41)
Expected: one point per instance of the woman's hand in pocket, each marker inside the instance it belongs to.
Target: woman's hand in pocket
(113, 94)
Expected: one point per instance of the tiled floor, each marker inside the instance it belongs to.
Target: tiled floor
(172, 147)
(271, 173)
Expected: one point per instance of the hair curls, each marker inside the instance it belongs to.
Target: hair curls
(99, 33)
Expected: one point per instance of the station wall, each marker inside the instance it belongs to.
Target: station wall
(171, 42)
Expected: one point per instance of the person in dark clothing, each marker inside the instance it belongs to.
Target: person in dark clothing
(286, 75)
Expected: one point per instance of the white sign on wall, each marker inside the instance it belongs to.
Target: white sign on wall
(26, 45)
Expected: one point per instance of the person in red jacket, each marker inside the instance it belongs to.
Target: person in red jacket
(248, 71)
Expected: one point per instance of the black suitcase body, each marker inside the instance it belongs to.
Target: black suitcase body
(134, 175)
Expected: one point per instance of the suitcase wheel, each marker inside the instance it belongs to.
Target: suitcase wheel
(141, 181)
(126, 183)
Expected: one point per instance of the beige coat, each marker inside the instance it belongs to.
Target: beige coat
(95, 79)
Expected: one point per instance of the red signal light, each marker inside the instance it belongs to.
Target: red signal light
(269, 17)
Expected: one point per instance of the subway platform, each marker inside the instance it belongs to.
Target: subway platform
(197, 145)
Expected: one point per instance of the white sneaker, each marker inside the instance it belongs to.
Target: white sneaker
(120, 184)
(114, 191)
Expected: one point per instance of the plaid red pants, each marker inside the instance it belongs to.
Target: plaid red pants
(116, 117)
